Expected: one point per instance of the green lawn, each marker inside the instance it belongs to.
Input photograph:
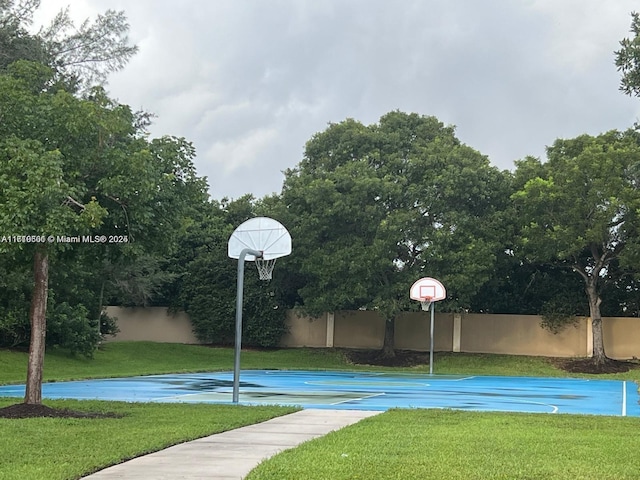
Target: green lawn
(121, 359)
(56, 448)
(456, 445)
(397, 444)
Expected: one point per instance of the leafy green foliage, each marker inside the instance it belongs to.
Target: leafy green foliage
(373, 208)
(524, 288)
(70, 327)
(265, 317)
(206, 282)
(579, 210)
(557, 315)
(75, 167)
(72, 307)
(628, 59)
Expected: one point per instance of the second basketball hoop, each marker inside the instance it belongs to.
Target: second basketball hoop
(426, 291)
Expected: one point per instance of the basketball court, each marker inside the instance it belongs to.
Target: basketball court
(362, 391)
(263, 240)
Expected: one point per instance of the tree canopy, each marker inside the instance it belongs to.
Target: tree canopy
(579, 210)
(205, 283)
(373, 208)
(75, 168)
(72, 167)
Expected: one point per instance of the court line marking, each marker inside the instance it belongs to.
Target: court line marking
(554, 408)
(358, 399)
(366, 383)
(624, 398)
(461, 379)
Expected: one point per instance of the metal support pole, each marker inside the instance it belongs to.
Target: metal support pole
(431, 346)
(238, 346)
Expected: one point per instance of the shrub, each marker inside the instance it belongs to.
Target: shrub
(557, 314)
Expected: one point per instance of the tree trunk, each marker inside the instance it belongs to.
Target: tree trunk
(388, 345)
(599, 356)
(38, 317)
(100, 308)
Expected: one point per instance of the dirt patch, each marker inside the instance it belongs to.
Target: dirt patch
(587, 365)
(402, 358)
(23, 410)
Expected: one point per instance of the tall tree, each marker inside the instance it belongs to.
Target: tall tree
(34, 198)
(90, 165)
(374, 208)
(71, 167)
(580, 211)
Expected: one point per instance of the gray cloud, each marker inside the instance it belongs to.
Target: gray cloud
(249, 81)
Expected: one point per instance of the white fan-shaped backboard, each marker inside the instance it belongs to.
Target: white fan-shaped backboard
(428, 287)
(263, 234)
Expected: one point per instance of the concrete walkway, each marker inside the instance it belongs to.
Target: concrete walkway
(233, 454)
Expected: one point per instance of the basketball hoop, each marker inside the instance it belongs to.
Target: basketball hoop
(265, 267)
(266, 238)
(426, 291)
(260, 240)
(426, 303)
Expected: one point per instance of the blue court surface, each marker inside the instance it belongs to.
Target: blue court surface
(362, 391)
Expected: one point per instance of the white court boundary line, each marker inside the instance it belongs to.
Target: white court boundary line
(358, 399)
(461, 379)
(624, 398)
(359, 383)
(554, 408)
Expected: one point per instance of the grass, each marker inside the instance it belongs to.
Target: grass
(397, 444)
(122, 359)
(457, 445)
(513, 365)
(56, 448)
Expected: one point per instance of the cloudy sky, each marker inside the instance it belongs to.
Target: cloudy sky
(250, 81)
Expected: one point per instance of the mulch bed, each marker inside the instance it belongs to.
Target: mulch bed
(23, 410)
(587, 365)
(402, 358)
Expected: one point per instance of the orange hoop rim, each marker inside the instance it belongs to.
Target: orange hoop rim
(426, 302)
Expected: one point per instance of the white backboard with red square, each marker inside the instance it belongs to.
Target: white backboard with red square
(428, 288)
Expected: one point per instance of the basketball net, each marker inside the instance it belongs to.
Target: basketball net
(426, 303)
(265, 267)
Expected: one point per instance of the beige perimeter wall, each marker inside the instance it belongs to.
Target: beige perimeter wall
(474, 333)
(521, 335)
(154, 324)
